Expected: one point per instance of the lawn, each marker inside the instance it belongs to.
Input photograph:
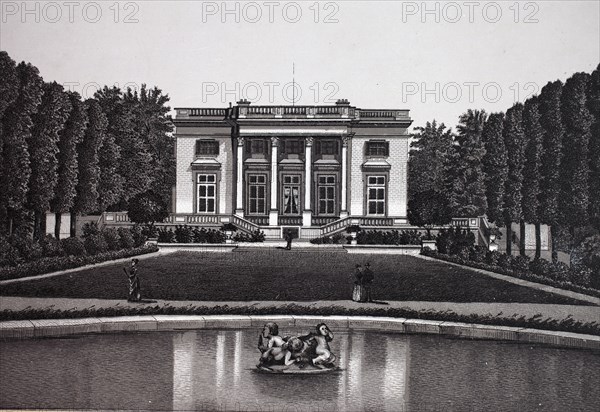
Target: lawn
(272, 274)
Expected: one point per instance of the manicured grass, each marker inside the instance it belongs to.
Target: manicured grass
(272, 274)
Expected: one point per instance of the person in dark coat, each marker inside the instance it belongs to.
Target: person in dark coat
(288, 238)
(367, 281)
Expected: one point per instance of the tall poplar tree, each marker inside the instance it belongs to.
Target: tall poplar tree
(514, 141)
(531, 173)
(48, 122)
(577, 120)
(552, 142)
(495, 166)
(16, 130)
(67, 159)
(468, 194)
(593, 104)
(88, 158)
(9, 87)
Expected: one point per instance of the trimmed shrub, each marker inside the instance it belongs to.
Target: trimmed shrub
(112, 238)
(95, 244)
(139, 238)
(126, 238)
(491, 257)
(505, 261)
(89, 229)
(184, 234)
(53, 264)
(520, 263)
(559, 272)
(452, 241)
(581, 276)
(73, 246)
(478, 253)
(9, 255)
(540, 267)
(166, 235)
(51, 246)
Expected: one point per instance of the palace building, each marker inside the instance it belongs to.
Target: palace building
(312, 169)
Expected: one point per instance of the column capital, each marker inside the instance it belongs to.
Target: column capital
(309, 141)
(274, 141)
(346, 139)
(240, 140)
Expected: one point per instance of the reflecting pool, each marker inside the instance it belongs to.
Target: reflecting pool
(214, 370)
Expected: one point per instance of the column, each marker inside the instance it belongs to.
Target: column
(307, 212)
(274, 213)
(239, 198)
(344, 194)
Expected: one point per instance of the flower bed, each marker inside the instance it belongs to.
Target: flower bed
(53, 264)
(554, 274)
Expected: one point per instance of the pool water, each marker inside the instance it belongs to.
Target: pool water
(214, 370)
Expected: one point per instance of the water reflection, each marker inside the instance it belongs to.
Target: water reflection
(215, 370)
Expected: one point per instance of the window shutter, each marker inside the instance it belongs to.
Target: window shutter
(248, 146)
(387, 148)
(216, 150)
(197, 148)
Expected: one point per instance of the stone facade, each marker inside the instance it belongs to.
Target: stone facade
(299, 167)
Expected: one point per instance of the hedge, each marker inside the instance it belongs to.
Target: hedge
(54, 264)
(514, 267)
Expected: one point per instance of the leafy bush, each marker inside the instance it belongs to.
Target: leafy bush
(139, 238)
(454, 240)
(491, 257)
(184, 234)
(520, 263)
(95, 244)
(112, 238)
(126, 238)
(9, 255)
(73, 246)
(166, 235)
(53, 264)
(90, 229)
(255, 236)
(559, 272)
(478, 253)
(581, 276)
(353, 229)
(540, 267)
(51, 246)
(389, 237)
(229, 227)
(505, 261)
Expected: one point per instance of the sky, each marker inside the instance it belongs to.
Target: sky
(435, 58)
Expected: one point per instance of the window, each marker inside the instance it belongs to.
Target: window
(376, 195)
(207, 148)
(291, 195)
(326, 195)
(292, 146)
(207, 188)
(378, 148)
(256, 146)
(327, 147)
(257, 194)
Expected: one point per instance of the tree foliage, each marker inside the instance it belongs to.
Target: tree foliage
(495, 166)
(147, 208)
(428, 188)
(577, 120)
(16, 166)
(88, 156)
(593, 105)
(468, 182)
(552, 142)
(533, 160)
(48, 122)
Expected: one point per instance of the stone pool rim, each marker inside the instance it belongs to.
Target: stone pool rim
(43, 328)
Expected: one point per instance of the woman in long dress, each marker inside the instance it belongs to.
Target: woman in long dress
(134, 282)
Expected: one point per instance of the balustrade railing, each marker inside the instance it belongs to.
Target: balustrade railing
(290, 220)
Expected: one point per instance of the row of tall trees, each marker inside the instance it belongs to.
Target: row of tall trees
(537, 163)
(64, 155)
